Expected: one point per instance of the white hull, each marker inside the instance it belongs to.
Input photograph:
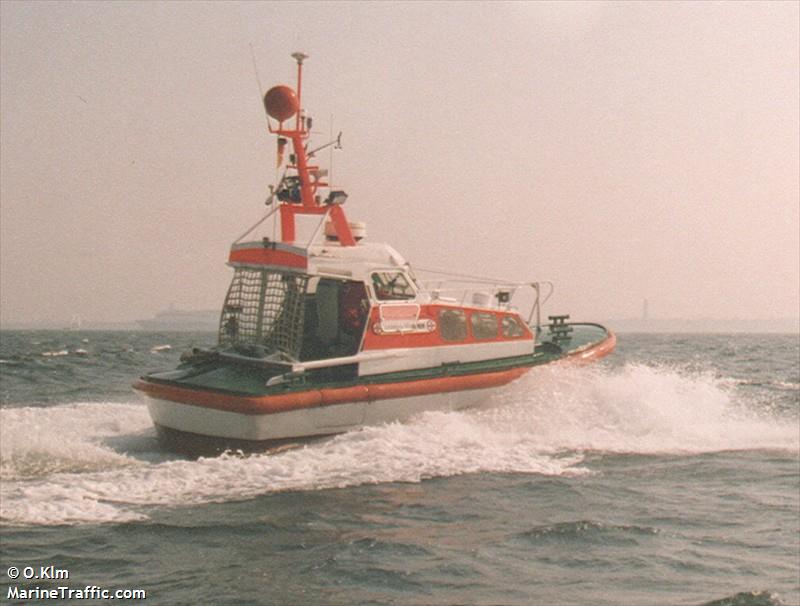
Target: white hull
(306, 422)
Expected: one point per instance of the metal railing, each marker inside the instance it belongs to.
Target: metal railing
(462, 289)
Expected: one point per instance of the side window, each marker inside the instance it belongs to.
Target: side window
(392, 286)
(512, 327)
(453, 323)
(484, 325)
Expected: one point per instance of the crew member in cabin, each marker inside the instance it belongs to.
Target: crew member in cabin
(232, 328)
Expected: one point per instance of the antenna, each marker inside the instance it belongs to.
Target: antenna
(258, 79)
(330, 153)
(336, 143)
(299, 57)
(255, 69)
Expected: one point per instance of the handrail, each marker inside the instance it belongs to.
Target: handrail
(268, 201)
(436, 286)
(538, 304)
(259, 222)
(470, 278)
(319, 227)
(364, 356)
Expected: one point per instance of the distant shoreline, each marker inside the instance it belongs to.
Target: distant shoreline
(654, 326)
(678, 325)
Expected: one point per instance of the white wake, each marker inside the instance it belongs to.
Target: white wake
(98, 462)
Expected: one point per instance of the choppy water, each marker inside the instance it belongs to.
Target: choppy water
(668, 474)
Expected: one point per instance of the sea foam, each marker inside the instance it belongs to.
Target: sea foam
(643, 409)
(96, 463)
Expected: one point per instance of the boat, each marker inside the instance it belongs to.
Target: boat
(173, 320)
(328, 334)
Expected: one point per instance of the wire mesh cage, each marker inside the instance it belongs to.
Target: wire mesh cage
(264, 308)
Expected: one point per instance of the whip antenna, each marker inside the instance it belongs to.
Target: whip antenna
(258, 78)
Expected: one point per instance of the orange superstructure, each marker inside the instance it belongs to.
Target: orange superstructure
(281, 103)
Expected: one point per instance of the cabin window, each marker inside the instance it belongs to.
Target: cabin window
(512, 327)
(453, 323)
(484, 325)
(392, 286)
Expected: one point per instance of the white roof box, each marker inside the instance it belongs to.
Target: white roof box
(358, 229)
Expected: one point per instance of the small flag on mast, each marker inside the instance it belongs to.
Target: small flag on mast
(281, 147)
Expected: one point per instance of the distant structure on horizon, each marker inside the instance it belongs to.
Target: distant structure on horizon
(646, 323)
(189, 321)
(704, 325)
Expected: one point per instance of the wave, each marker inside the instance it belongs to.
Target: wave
(98, 462)
(38, 441)
(432, 445)
(748, 598)
(645, 410)
(587, 531)
(778, 385)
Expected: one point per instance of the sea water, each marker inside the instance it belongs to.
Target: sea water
(667, 474)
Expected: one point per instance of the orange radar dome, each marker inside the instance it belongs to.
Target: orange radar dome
(281, 102)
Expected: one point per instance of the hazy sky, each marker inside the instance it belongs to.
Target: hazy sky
(623, 150)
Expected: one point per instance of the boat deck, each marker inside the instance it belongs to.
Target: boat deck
(580, 336)
(553, 342)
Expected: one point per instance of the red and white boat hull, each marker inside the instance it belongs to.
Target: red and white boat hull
(256, 420)
(304, 422)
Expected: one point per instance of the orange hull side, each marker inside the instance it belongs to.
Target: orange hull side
(255, 405)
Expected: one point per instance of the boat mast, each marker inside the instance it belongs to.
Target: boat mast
(281, 103)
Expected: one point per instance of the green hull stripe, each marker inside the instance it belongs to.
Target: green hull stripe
(240, 380)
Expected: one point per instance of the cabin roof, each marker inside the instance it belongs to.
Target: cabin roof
(324, 258)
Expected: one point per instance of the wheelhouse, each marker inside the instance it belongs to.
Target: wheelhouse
(326, 301)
